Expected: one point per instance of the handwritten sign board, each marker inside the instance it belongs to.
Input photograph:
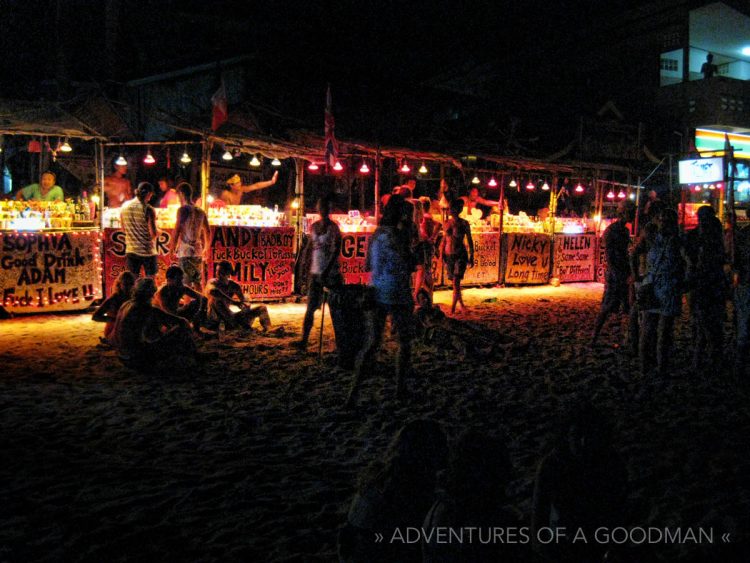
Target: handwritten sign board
(262, 259)
(486, 259)
(353, 254)
(115, 262)
(527, 258)
(574, 257)
(49, 272)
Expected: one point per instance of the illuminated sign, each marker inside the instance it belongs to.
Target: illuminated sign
(701, 170)
(709, 140)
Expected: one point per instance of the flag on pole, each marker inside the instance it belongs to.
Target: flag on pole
(331, 150)
(219, 112)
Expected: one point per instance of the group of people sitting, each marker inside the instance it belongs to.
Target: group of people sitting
(581, 483)
(149, 325)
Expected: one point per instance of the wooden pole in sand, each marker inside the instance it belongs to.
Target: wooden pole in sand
(299, 194)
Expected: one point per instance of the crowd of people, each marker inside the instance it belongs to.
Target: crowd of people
(150, 325)
(647, 281)
(581, 483)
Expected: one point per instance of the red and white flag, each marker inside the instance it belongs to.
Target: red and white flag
(330, 137)
(219, 113)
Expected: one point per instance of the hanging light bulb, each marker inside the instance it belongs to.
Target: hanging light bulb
(492, 183)
(276, 162)
(579, 188)
(621, 194)
(227, 155)
(711, 187)
(513, 183)
(149, 158)
(295, 203)
(545, 187)
(364, 169)
(255, 162)
(530, 185)
(120, 161)
(423, 169)
(65, 147)
(475, 179)
(697, 188)
(312, 166)
(185, 158)
(337, 167)
(404, 168)
(610, 194)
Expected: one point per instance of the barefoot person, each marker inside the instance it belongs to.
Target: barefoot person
(325, 244)
(107, 311)
(176, 298)
(145, 335)
(391, 263)
(190, 237)
(222, 293)
(454, 251)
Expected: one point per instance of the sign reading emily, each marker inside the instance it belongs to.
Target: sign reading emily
(262, 259)
(48, 272)
(575, 256)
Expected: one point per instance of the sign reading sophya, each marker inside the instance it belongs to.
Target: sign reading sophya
(574, 257)
(527, 258)
(48, 272)
(262, 259)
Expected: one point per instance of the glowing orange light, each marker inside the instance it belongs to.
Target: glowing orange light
(610, 195)
(312, 166)
(492, 183)
(337, 167)
(364, 169)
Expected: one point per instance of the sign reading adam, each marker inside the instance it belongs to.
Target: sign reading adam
(262, 258)
(47, 272)
(574, 257)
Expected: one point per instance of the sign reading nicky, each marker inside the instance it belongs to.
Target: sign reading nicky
(486, 257)
(574, 257)
(49, 271)
(262, 258)
(527, 259)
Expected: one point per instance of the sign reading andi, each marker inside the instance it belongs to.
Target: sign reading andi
(49, 272)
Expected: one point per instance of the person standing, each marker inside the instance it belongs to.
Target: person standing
(117, 187)
(391, 263)
(45, 190)
(139, 223)
(616, 240)
(325, 245)
(429, 231)
(666, 271)
(708, 69)
(454, 251)
(190, 237)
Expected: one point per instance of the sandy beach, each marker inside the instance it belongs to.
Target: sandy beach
(253, 458)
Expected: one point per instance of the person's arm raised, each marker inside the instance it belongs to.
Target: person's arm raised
(261, 185)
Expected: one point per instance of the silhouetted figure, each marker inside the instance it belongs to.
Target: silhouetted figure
(709, 69)
(454, 252)
(708, 287)
(107, 311)
(616, 242)
(394, 493)
(741, 283)
(581, 483)
(190, 238)
(325, 246)
(178, 299)
(666, 271)
(479, 471)
(638, 270)
(139, 223)
(391, 263)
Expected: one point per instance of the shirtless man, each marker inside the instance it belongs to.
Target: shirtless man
(171, 297)
(117, 187)
(454, 251)
(474, 199)
(233, 196)
(223, 292)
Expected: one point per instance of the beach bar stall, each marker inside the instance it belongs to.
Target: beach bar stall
(49, 250)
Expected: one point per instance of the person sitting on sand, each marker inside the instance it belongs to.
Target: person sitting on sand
(479, 470)
(171, 297)
(454, 251)
(222, 293)
(445, 333)
(395, 492)
(581, 483)
(107, 311)
(145, 335)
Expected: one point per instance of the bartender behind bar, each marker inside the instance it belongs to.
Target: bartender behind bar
(45, 190)
(233, 195)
